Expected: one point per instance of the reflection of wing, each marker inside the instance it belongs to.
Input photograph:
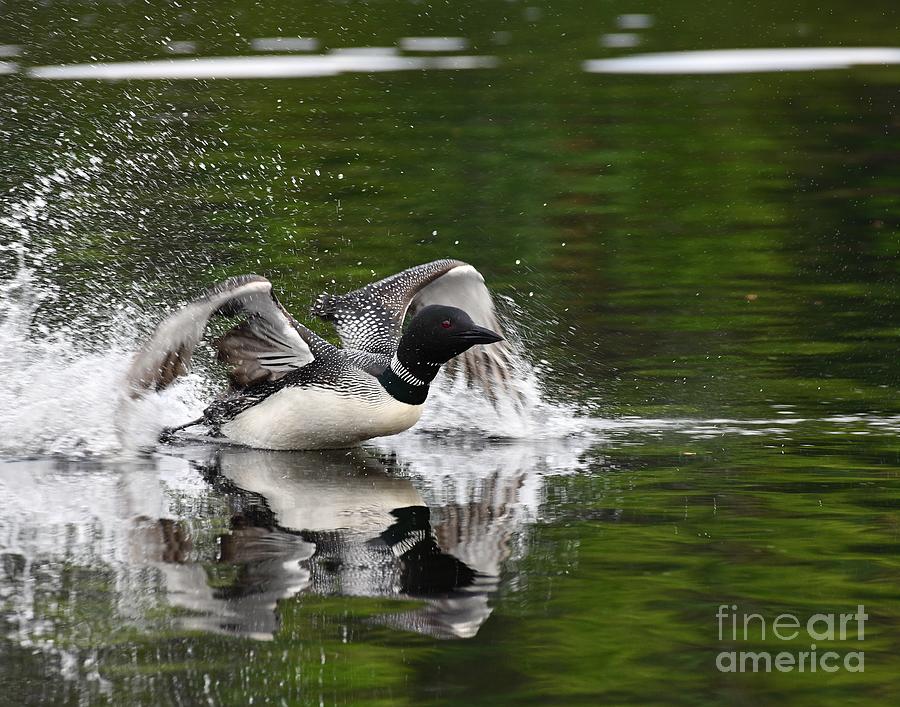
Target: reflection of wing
(373, 535)
(264, 566)
(371, 317)
(265, 346)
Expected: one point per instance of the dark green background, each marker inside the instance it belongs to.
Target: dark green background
(680, 246)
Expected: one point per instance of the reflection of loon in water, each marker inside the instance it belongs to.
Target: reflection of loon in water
(163, 536)
(330, 523)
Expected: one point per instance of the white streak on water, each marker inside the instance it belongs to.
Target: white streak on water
(8, 67)
(285, 44)
(463, 62)
(620, 40)
(433, 44)
(182, 47)
(634, 21)
(733, 61)
(242, 67)
(364, 51)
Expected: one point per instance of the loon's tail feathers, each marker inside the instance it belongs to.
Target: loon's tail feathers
(265, 346)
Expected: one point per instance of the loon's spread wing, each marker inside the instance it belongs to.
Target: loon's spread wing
(265, 346)
(491, 367)
(371, 318)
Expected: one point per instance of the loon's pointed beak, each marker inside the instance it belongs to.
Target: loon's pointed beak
(479, 335)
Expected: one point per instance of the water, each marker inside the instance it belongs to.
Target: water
(701, 267)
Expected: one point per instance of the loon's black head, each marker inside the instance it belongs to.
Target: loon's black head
(438, 333)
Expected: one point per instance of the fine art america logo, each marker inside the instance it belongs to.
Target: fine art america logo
(736, 626)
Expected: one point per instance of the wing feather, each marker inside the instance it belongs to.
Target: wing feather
(268, 344)
(371, 319)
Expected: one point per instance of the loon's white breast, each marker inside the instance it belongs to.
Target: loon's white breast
(317, 417)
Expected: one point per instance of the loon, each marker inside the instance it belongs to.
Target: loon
(291, 389)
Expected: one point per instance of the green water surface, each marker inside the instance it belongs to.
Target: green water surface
(710, 260)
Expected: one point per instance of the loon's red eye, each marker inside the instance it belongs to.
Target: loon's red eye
(446, 324)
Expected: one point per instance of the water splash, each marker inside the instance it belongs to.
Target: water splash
(455, 408)
(63, 355)
(60, 395)
(525, 411)
(61, 390)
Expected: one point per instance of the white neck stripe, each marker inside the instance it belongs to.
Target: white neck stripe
(400, 371)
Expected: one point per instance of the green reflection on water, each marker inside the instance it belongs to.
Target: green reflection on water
(696, 247)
